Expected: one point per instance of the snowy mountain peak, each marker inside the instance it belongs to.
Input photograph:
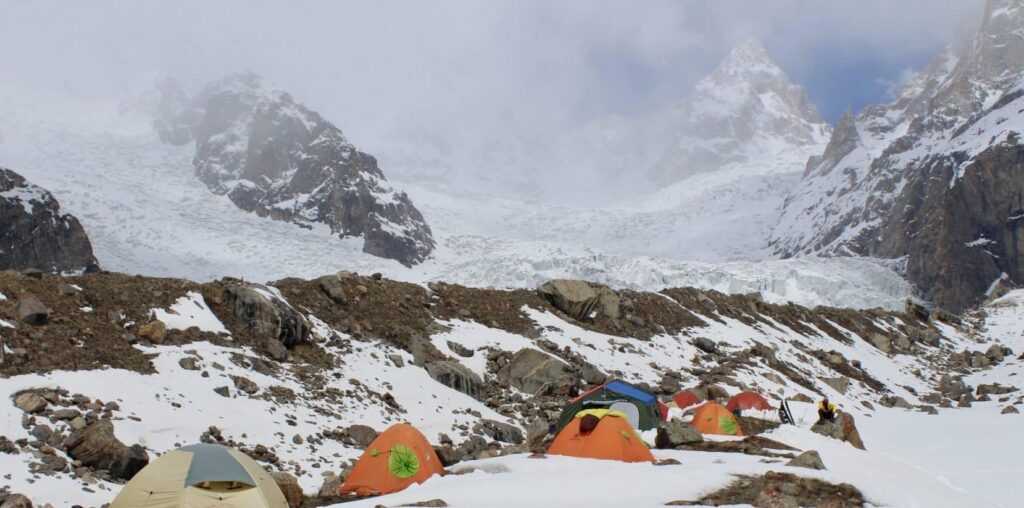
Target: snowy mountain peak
(746, 109)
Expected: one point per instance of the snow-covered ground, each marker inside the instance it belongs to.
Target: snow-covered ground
(912, 459)
(147, 213)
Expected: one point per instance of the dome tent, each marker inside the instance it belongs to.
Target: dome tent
(713, 418)
(603, 396)
(612, 438)
(201, 475)
(399, 457)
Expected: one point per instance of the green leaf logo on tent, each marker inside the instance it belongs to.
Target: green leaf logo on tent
(728, 425)
(402, 462)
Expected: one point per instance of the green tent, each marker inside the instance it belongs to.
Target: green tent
(609, 393)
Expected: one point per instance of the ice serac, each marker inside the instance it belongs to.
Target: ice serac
(275, 157)
(35, 234)
(746, 110)
(937, 176)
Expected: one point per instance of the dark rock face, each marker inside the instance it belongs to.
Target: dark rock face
(35, 234)
(935, 177)
(273, 156)
(266, 316)
(843, 429)
(97, 447)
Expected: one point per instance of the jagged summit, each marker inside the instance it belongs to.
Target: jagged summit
(746, 109)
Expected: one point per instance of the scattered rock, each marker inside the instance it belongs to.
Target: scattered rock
(188, 363)
(31, 311)
(99, 448)
(154, 331)
(839, 384)
(30, 402)
(438, 503)
(530, 370)
(843, 429)
(456, 376)
(536, 433)
(809, 459)
(361, 435)
(289, 486)
(332, 287)
(275, 349)
(460, 350)
(245, 384)
(675, 433)
(223, 391)
(882, 342)
(267, 316)
(706, 345)
(331, 486)
(580, 299)
(1010, 410)
(16, 501)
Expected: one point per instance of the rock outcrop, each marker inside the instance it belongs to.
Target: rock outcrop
(97, 447)
(843, 429)
(35, 234)
(532, 371)
(580, 299)
(273, 156)
(265, 315)
(934, 177)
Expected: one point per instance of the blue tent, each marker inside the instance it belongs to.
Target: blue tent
(610, 393)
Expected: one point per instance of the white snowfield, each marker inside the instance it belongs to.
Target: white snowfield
(912, 459)
(146, 212)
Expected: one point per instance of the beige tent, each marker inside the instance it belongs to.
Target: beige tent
(201, 476)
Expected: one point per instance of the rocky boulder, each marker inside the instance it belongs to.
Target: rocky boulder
(809, 459)
(35, 234)
(843, 429)
(96, 446)
(456, 376)
(289, 486)
(361, 435)
(30, 402)
(580, 299)
(676, 433)
(531, 370)
(31, 311)
(266, 315)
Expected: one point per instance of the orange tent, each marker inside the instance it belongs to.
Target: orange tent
(612, 439)
(712, 418)
(399, 457)
(686, 399)
(748, 400)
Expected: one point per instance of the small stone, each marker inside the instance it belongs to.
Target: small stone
(65, 414)
(31, 311)
(30, 402)
(65, 289)
(297, 439)
(809, 459)
(245, 384)
(1010, 410)
(78, 423)
(223, 391)
(154, 331)
(397, 360)
(275, 349)
(188, 363)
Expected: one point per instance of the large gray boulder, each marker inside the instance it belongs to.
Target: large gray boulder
(531, 370)
(675, 433)
(456, 376)
(96, 446)
(266, 315)
(580, 299)
(31, 311)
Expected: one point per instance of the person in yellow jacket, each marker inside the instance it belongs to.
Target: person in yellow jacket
(826, 411)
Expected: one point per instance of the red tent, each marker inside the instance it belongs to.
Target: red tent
(662, 411)
(748, 400)
(686, 399)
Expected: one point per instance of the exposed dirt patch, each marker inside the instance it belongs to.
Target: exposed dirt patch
(753, 490)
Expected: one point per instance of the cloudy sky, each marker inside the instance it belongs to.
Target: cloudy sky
(448, 65)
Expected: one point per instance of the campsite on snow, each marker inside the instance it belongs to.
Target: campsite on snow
(572, 253)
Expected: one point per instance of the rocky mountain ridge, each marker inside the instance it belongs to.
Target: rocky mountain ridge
(273, 156)
(35, 233)
(933, 177)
